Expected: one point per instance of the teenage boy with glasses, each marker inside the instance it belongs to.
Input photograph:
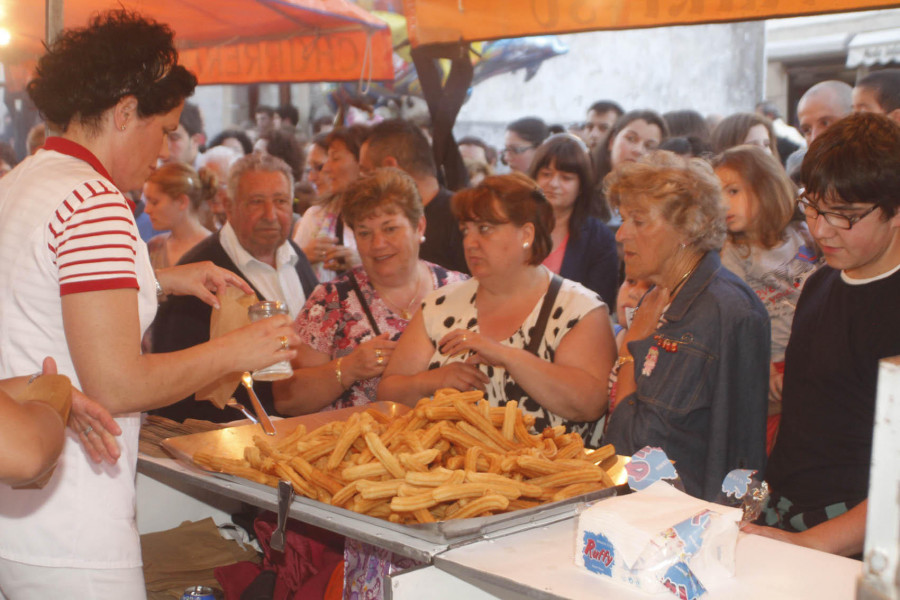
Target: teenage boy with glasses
(846, 321)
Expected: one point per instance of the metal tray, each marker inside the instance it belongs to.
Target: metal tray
(230, 442)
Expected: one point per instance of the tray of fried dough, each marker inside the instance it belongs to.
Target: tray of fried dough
(453, 467)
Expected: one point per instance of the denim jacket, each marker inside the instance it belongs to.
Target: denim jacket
(703, 397)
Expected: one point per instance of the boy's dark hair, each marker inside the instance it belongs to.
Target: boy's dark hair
(856, 160)
(604, 106)
(191, 119)
(406, 143)
(289, 112)
(886, 85)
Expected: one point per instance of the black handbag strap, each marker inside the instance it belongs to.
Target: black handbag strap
(365, 305)
(541, 325)
(339, 231)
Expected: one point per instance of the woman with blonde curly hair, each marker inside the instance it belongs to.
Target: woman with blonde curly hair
(692, 373)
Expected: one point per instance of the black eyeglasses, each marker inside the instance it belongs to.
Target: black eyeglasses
(835, 219)
(517, 150)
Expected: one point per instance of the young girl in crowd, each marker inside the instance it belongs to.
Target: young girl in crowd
(176, 194)
(745, 128)
(768, 246)
(630, 293)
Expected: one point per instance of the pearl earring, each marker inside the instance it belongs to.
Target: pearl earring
(525, 244)
(422, 240)
(122, 128)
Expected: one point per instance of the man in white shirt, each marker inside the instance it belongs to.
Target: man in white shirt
(253, 243)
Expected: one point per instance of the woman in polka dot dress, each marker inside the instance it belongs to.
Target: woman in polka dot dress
(488, 333)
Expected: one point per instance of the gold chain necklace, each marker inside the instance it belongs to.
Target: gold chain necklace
(684, 277)
(405, 313)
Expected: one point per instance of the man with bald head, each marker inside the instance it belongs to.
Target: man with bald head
(822, 105)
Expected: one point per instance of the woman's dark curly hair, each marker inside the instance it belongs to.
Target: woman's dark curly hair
(86, 71)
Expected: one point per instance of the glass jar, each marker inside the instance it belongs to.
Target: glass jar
(282, 369)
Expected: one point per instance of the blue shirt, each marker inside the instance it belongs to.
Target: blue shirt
(704, 403)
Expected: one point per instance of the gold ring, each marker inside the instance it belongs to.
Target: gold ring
(377, 352)
(284, 342)
(379, 360)
(464, 337)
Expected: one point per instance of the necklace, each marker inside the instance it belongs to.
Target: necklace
(681, 281)
(405, 313)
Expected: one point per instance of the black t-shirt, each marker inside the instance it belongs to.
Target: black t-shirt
(443, 241)
(840, 332)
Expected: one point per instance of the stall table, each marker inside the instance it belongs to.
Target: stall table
(530, 561)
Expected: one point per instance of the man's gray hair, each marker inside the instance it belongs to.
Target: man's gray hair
(257, 161)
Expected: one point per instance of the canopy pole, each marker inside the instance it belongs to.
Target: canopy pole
(444, 102)
(54, 21)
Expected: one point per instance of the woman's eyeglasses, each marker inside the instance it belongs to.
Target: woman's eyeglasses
(835, 219)
(516, 150)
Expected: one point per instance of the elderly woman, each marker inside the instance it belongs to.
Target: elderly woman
(514, 330)
(350, 325)
(692, 375)
(77, 285)
(584, 249)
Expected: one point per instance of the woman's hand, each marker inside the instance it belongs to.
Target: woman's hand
(647, 315)
(340, 258)
(202, 279)
(258, 345)
(461, 376)
(94, 425)
(317, 249)
(96, 428)
(483, 349)
(370, 358)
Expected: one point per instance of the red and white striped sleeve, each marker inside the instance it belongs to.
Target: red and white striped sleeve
(93, 240)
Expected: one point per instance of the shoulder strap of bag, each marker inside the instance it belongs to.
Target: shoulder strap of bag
(365, 305)
(549, 299)
(339, 231)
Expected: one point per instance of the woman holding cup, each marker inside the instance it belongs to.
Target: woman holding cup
(77, 285)
(350, 325)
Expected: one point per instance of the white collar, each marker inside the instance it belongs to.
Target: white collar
(852, 281)
(284, 254)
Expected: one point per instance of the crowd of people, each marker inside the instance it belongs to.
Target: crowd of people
(719, 290)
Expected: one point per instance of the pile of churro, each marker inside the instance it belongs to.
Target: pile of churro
(452, 457)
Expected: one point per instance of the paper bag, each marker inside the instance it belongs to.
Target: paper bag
(659, 539)
(55, 390)
(232, 314)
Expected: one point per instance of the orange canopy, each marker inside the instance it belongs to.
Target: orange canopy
(238, 41)
(447, 21)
